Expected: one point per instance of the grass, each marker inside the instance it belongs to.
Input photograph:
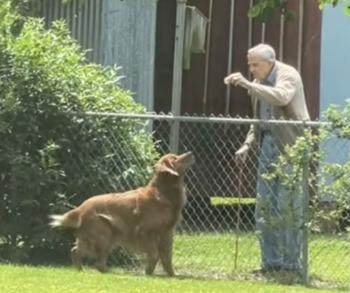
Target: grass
(47, 279)
(329, 255)
(330, 258)
(207, 263)
(215, 255)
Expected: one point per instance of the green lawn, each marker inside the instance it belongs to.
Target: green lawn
(214, 255)
(203, 263)
(47, 279)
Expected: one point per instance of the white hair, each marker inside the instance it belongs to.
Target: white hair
(266, 52)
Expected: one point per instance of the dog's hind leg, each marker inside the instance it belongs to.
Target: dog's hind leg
(102, 256)
(165, 253)
(76, 258)
(101, 263)
(80, 251)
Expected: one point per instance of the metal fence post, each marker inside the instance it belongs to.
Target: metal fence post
(305, 232)
(177, 73)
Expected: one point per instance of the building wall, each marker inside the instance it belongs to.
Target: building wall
(335, 61)
(335, 73)
(116, 33)
(128, 41)
(84, 20)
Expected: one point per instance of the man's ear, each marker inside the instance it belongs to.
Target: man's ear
(159, 168)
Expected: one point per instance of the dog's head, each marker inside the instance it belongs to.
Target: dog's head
(174, 165)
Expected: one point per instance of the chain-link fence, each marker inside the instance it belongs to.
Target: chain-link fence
(268, 209)
(223, 232)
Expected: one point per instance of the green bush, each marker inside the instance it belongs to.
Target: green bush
(328, 183)
(43, 77)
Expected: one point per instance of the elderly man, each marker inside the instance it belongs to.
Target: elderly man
(277, 93)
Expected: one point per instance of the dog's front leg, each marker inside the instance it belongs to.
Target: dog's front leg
(166, 252)
(152, 254)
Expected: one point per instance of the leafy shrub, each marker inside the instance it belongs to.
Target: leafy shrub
(43, 77)
(328, 182)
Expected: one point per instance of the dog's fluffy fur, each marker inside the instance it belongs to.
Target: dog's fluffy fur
(143, 219)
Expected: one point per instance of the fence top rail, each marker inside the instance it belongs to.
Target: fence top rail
(200, 119)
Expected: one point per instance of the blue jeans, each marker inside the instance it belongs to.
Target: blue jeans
(278, 214)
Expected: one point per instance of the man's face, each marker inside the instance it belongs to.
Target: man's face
(258, 67)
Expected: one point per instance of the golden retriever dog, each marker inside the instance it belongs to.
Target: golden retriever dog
(141, 220)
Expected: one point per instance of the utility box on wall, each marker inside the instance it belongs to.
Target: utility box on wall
(195, 34)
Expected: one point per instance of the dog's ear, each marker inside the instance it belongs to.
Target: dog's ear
(161, 167)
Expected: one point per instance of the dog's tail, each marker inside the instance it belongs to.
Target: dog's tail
(71, 219)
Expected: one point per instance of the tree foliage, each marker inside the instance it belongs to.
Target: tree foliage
(263, 10)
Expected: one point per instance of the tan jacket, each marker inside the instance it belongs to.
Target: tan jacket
(288, 100)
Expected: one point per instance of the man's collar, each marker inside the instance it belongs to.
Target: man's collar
(271, 77)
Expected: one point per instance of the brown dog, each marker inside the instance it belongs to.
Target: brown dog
(141, 220)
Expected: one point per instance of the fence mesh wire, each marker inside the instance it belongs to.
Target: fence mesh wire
(217, 236)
